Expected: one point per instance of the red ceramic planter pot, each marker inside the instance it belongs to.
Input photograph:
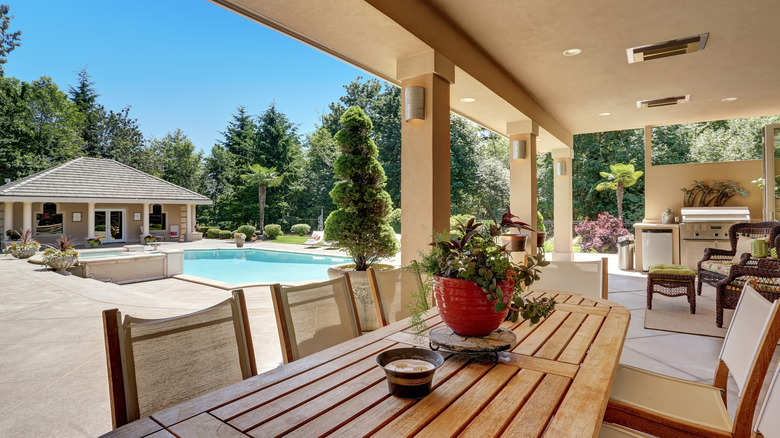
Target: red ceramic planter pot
(464, 307)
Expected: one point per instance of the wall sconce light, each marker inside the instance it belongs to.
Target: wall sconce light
(560, 168)
(414, 103)
(518, 149)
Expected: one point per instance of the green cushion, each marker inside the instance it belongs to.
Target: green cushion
(671, 269)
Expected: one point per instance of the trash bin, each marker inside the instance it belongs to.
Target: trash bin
(626, 252)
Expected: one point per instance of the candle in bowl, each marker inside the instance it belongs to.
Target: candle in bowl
(409, 370)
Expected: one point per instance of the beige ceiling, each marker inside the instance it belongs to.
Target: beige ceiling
(508, 55)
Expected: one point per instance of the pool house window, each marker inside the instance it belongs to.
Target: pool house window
(157, 218)
(48, 222)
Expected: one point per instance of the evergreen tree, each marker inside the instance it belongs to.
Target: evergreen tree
(85, 98)
(176, 161)
(321, 153)
(361, 223)
(8, 40)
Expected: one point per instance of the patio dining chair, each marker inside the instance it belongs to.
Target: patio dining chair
(315, 316)
(154, 364)
(387, 295)
(583, 277)
(667, 406)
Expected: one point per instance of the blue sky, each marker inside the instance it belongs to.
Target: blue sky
(178, 63)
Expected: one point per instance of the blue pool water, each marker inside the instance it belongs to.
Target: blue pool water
(256, 265)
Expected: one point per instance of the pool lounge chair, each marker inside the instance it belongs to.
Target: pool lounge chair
(316, 237)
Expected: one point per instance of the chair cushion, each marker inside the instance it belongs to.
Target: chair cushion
(671, 269)
(722, 268)
(674, 398)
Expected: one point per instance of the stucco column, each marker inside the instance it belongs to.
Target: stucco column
(145, 218)
(8, 216)
(188, 229)
(522, 176)
(425, 157)
(562, 194)
(27, 219)
(90, 219)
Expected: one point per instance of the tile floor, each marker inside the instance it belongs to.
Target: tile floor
(52, 365)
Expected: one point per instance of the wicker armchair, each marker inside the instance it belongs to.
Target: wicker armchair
(764, 274)
(717, 263)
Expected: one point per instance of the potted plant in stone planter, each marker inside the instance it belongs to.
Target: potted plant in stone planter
(541, 230)
(361, 224)
(62, 257)
(94, 242)
(476, 283)
(149, 239)
(240, 239)
(26, 247)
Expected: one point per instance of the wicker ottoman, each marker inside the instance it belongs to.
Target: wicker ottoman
(671, 281)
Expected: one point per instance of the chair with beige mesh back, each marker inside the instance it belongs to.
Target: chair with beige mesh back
(768, 422)
(386, 292)
(315, 316)
(157, 363)
(668, 406)
(583, 277)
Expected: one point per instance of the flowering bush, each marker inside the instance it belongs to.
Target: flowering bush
(94, 240)
(239, 236)
(600, 235)
(24, 249)
(150, 238)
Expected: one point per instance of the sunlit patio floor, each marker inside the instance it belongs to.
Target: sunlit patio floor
(53, 379)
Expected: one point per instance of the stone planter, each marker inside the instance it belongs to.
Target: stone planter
(61, 263)
(21, 251)
(240, 243)
(364, 301)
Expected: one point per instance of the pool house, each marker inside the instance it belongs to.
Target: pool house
(92, 197)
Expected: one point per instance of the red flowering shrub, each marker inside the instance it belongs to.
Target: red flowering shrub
(600, 235)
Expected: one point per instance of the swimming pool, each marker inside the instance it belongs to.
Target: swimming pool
(257, 266)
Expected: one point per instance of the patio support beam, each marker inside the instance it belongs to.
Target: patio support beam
(8, 215)
(425, 157)
(190, 228)
(90, 219)
(145, 218)
(564, 211)
(27, 219)
(522, 175)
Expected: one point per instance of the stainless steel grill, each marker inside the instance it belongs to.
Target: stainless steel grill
(710, 223)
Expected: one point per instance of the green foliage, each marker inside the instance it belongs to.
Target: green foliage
(620, 177)
(225, 234)
(247, 230)
(539, 219)
(273, 231)
(176, 160)
(301, 229)
(264, 178)
(361, 224)
(8, 40)
(395, 220)
(321, 153)
(297, 240)
(213, 233)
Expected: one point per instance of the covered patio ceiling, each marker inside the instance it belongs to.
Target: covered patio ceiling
(508, 55)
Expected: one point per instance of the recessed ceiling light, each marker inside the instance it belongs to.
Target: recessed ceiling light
(572, 52)
(604, 114)
(729, 99)
(467, 99)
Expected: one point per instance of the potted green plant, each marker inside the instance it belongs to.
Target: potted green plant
(541, 230)
(476, 283)
(24, 249)
(94, 242)
(361, 224)
(240, 239)
(12, 235)
(62, 257)
(149, 239)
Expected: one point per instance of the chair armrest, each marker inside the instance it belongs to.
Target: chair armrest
(766, 272)
(718, 254)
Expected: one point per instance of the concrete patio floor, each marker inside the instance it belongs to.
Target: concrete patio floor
(53, 379)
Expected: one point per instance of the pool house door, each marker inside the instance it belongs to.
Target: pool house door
(110, 225)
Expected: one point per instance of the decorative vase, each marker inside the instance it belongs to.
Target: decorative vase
(514, 242)
(464, 307)
(239, 243)
(540, 236)
(61, 262)
(23, 251)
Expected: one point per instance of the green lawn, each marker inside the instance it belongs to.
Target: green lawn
(290, 239)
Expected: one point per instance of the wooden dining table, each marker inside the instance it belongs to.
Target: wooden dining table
(555, 382)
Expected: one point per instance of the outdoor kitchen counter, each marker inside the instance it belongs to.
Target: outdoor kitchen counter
(639, 227)
(555, 382)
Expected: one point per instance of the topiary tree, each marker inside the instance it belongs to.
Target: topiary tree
(361, 224)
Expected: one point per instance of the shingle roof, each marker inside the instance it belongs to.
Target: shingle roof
(100, 180)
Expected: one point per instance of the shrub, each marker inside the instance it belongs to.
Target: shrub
(285, 224)
(300, 229)
(204, 229)
(361, 224)
(273, 231)
(539, 221)
(395, 220)
(600, 235)
(225, 234)
(247, 230)
(213, 233)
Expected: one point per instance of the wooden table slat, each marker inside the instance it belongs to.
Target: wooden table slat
(494, 417)
(560, 339)
(161, 434)
(205, 425)
(538, 337)
(539, 364)
(566, 307)
(580, 343)
(142, 427)
(537, 411)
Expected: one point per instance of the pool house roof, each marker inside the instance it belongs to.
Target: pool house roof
(97, 180)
